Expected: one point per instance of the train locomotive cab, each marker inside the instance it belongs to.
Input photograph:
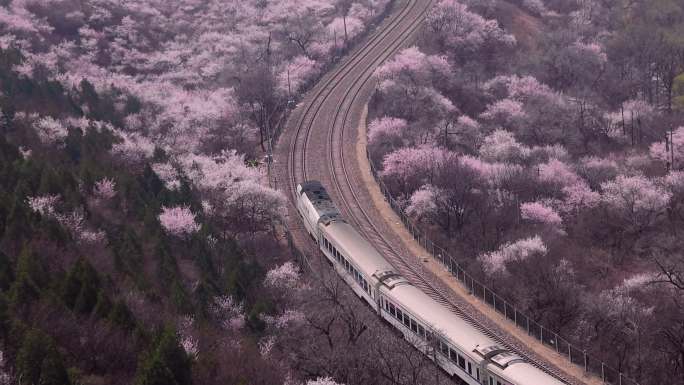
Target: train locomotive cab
(313, 205)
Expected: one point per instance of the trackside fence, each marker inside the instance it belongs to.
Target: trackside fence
(544, 335)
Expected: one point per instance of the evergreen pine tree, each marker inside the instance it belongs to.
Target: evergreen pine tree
(39, 362)
(166, 364)
(122, 316)
(103, 306)
(6, 272)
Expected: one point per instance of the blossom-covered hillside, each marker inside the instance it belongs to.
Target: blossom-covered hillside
(552, 169)
(139, 239)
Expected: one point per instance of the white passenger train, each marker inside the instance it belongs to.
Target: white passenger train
(459, 348)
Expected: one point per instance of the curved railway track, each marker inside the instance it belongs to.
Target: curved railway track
(317, 151)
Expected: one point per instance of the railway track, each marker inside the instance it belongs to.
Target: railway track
(317, 151)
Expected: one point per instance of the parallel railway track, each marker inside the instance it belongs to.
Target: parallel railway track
(334, 92)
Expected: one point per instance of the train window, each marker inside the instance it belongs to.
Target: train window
(452, 355)
(444, 348)
(392, 310)
(414, 326)
(421, 331)
(470, 369)
(407, 321)
(477, 373)
(491, 381)
(461, 361)
(498, 383)
(400, 315)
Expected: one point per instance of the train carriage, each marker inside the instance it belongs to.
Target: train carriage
(454, 344)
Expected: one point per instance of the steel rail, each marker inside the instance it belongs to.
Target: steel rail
(363, 220)
(327, 86)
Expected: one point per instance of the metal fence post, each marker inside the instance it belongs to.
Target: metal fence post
(586, 367)
(541, 334)
(556, 342)
(528, 325)
(603, 372)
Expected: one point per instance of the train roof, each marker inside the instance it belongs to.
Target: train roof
(524, 373)
(459, 332)
(357, 249)
(319, 198)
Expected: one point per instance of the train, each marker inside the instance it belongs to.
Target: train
(461, 350)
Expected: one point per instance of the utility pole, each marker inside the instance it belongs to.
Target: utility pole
(344, 21)
(672, 146)
(289, 86)
(667, 151)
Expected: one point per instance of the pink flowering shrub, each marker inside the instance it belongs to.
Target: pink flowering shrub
(178, 221)
(540, 213)
(597, 170)
(288, 318)
(495, 262)
(50, 131)
(73, 221)
(229, 313)
(44, 204)
(412, 167)
(501, 146)
(505, 113)
(411, 85)
(558, 174)
(285, 276)
(5, 377)
(579, 196)
(635, 198)
(493, 175)
(423, 202)
(168, 174)
(133, 148)
(465, 33)
(105, 189)
(385, 129)
(322, 381)
(187, 341)
(413, 66)
(674, 181)
(296, 74)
